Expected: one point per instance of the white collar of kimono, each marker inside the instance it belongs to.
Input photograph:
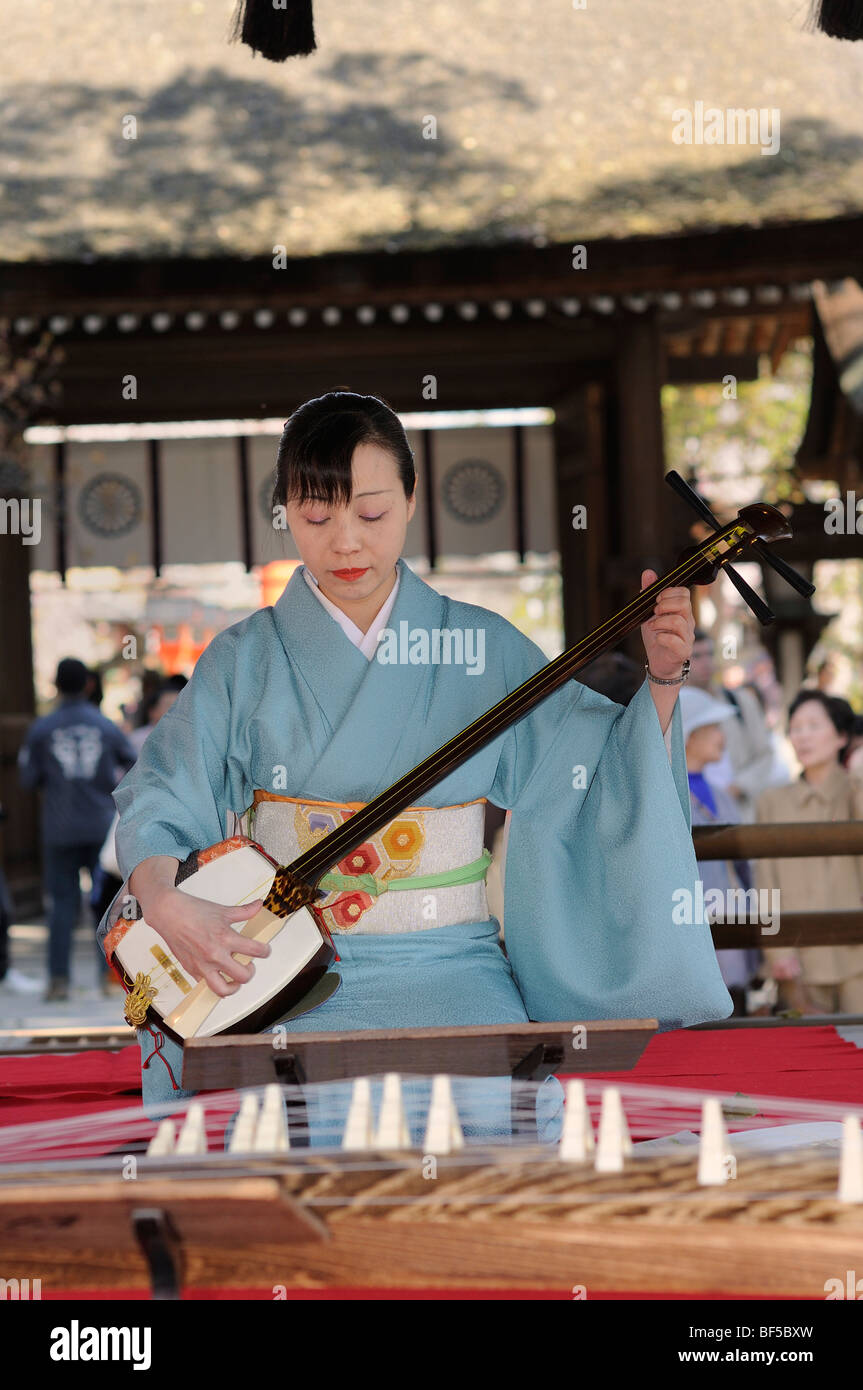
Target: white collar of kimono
(367, 642)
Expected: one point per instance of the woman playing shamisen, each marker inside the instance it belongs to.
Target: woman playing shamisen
(291, 721)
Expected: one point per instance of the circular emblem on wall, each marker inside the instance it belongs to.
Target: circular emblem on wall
(473, 490)
(110, 505)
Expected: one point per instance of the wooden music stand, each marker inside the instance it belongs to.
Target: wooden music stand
(528, 1051)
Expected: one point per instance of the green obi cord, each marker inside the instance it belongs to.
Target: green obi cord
(449, 878)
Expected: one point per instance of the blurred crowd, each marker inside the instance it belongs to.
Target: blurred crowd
(740, 770)
(75, 757)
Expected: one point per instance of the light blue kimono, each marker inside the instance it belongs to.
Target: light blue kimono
(599, 838)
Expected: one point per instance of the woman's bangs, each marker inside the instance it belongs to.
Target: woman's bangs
(327, 480)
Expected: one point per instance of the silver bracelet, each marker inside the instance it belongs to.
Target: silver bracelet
(678, 680)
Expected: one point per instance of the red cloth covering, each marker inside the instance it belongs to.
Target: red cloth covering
(34, 1089)
(93, 1073)
(802, 1063)
(806, 1063)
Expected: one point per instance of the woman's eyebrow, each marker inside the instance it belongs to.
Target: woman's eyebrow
(377, 492)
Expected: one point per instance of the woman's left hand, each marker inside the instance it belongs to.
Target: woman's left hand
(669, 635)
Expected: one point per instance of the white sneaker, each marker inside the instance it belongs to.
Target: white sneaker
(19, 983)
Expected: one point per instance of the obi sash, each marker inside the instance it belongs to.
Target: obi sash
(425, 869)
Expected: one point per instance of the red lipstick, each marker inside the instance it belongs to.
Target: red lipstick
(350, 574)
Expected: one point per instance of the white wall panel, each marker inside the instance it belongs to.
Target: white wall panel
(201, 521)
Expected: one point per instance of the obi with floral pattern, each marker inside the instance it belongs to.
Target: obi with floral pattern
(426, 868)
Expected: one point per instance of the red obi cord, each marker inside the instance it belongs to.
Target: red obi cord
(159, 1041)
(325, 929)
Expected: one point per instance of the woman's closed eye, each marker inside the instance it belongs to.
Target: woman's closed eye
(311, 522)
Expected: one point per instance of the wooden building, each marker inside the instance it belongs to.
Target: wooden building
(451, 206)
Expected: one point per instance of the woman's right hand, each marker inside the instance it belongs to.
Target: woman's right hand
(201, 936)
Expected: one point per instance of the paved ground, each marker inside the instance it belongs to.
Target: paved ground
(86, 1003)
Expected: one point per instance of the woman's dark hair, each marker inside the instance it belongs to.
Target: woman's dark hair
(838, 711)
(318, 442)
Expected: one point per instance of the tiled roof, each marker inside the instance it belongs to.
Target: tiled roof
(551, 123)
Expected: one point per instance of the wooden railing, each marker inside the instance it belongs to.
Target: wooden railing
(793, 841)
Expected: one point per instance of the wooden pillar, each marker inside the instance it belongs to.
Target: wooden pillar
(641, 502)
(580, 446)
(19, 833)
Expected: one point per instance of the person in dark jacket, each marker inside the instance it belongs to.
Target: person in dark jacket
(72, 756)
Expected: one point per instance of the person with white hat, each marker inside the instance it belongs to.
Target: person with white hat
(703, 719)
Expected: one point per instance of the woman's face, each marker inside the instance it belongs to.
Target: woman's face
(368, 535)
(813, 735)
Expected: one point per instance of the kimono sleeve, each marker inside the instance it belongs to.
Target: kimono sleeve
(599, 863)
(174, 799)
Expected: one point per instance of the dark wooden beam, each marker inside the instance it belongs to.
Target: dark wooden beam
(251, 375)
(736, 336)
(155, 479)
(60, 509)
(709, 338)
(785, 335)
(764, 333)
(638, 464)
(19, 834)
(245, 508)
(744, 256)
(640, 497)
(580, 455)
(682, 371)
(520, 481)
(428, 484)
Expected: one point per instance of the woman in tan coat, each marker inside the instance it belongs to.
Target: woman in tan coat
(817, 979)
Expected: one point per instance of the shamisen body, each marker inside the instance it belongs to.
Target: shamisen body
(290, 722)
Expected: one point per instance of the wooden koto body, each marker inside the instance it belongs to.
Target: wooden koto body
(494, 1219)
(404, 1196)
